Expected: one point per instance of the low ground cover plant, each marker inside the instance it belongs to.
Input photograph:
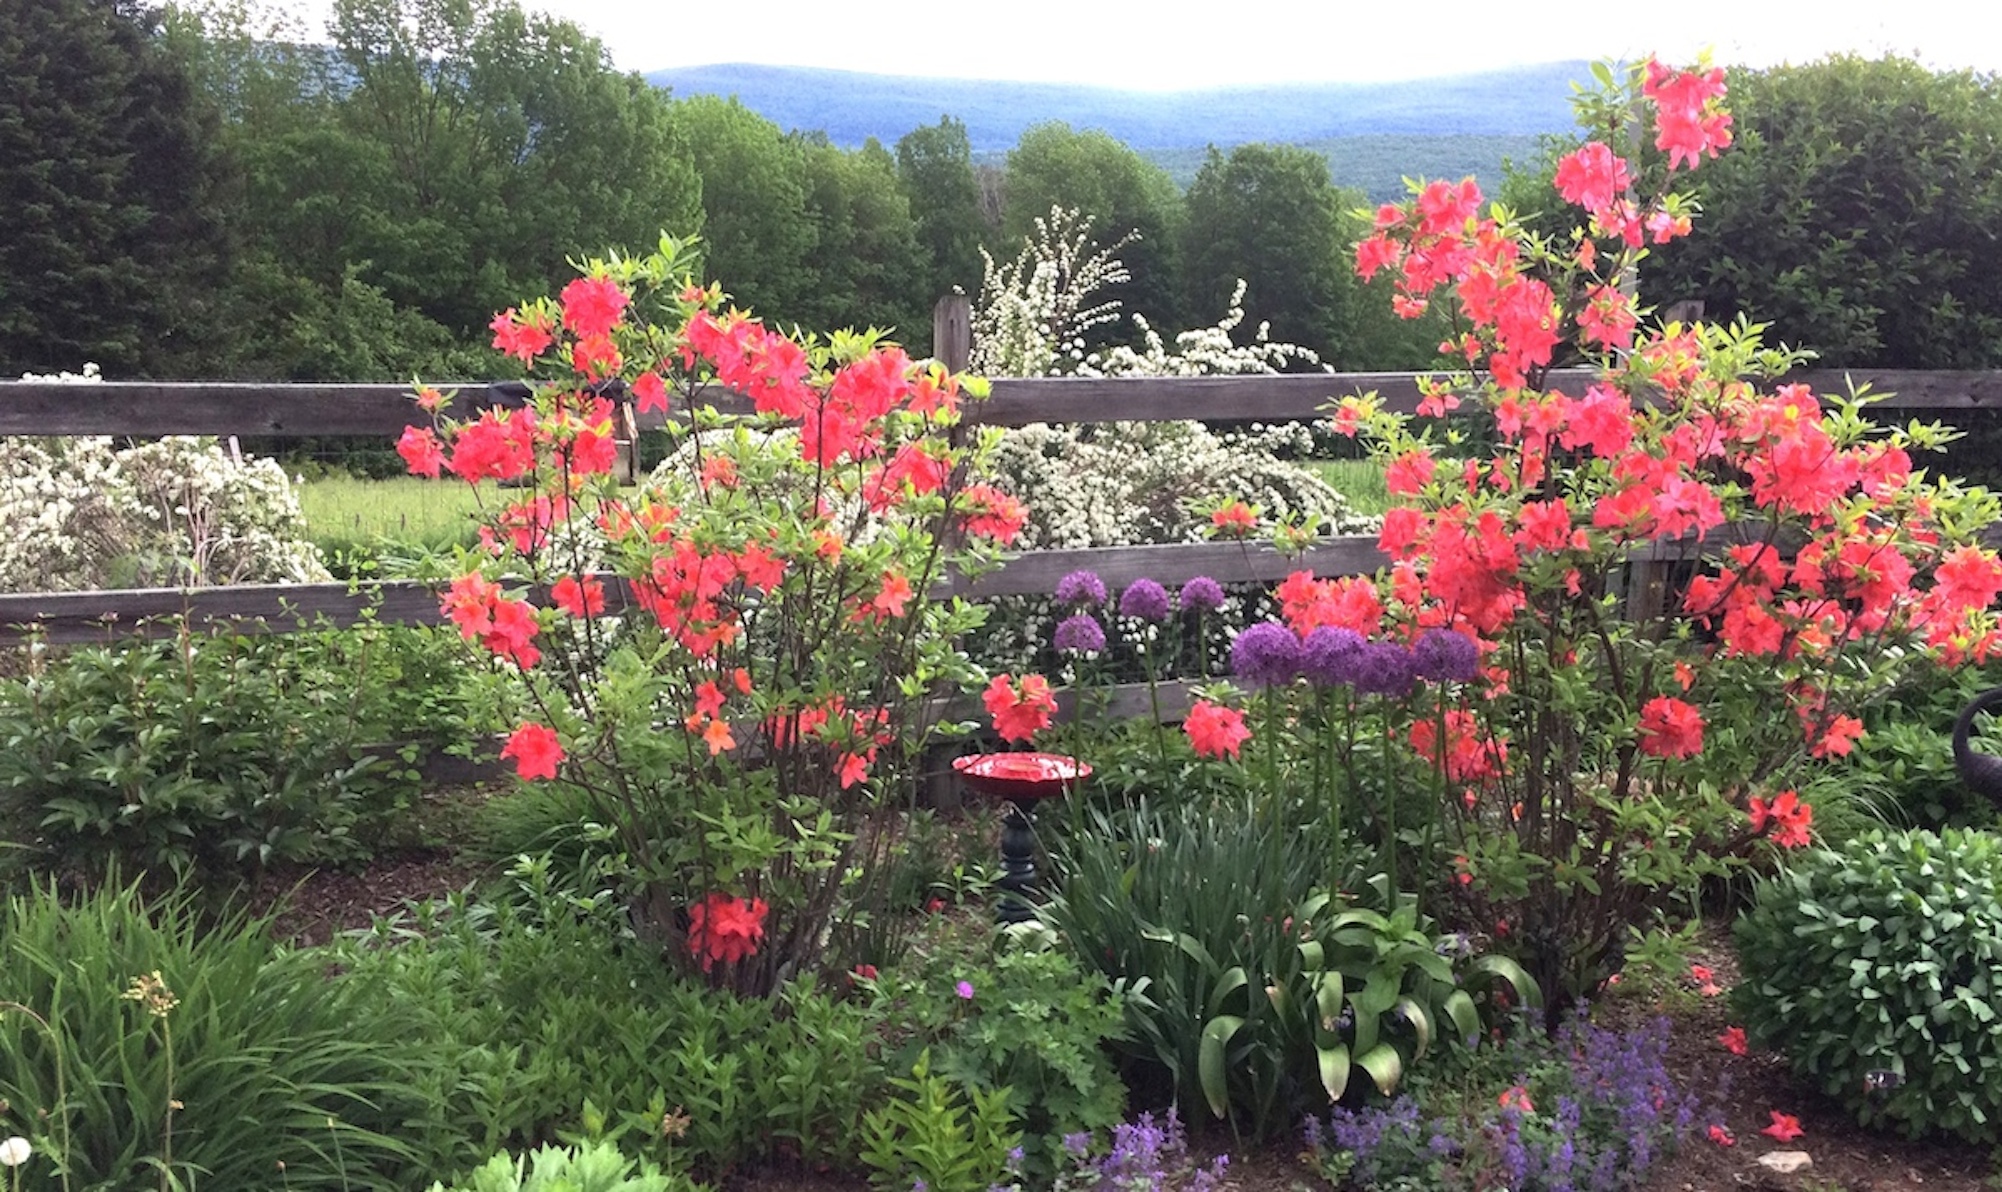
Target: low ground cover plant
(1590, 1107)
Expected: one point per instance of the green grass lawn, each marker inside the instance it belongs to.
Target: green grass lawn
(1360, 480)
(346, 512)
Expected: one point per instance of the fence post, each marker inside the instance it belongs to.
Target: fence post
(952, 331)
(952, 346)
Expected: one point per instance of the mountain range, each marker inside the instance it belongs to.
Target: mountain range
(1373, 134)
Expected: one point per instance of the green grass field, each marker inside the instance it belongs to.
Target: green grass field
(1360, 480)
(346, 512)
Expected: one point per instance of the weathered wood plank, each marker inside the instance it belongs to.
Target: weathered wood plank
(75, 617)
(144, 408)
(1037, 572)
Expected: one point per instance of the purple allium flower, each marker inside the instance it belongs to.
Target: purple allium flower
(1081, 588)
(1145, 599)
(1266, 654)
(1080, 633)
(1204, 593)
(1330, 656)
(965, 990)
(1443, 656)
(1384, 668)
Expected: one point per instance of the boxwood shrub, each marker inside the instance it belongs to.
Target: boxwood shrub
(1876, 970)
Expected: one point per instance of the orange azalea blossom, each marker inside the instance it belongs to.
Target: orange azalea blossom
(535, 750)
(1785, 1127)
(1670, 728)
(1234, 519)
(723, 929)
(1020, 710)
(1786, 815)
(1215, 730)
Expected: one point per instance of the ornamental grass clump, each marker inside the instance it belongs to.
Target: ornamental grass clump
(735, 662)
(1680, 575)
(1876, 970)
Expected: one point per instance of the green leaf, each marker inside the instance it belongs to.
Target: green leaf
(1421, 1024)
(1466, 1018)
(1503, 969)
(1217, 1033)
(1384, 1066)
(1232, 980)
(1334, 1064)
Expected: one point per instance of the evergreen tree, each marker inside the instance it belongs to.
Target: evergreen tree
(109, 247)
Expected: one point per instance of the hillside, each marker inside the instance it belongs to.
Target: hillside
(851, 107)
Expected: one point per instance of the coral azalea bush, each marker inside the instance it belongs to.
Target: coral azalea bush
(733, 660)
(1681, 575)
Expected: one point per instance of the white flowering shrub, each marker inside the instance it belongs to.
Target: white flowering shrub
(1123, 483)
(1034, 311)
(80, 513)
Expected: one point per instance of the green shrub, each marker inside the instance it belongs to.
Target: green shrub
(138, 1036)
(1023, 1020)
(594, 1167)
(516, 1023)
(1876, 970)
(930, 1134)
(217, 754)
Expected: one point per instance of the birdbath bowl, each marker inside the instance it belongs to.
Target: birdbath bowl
(1021, 777)
(1023, 780)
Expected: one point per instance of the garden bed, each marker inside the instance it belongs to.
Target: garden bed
(317, 903)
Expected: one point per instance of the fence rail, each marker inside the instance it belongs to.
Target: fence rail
(147, 408)
(297, 410)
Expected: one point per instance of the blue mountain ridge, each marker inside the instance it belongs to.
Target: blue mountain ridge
(850, 107)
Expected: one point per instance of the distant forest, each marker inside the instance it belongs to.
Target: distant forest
(194, 195)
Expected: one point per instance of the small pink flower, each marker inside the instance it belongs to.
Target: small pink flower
(964, 989)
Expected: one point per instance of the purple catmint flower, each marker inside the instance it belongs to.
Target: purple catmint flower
(1145, 599)
(1202, 593)
(1266, 655)
(1329, 657)
(1384, 668)
(1081, 588)
(1080, 633)
(1443, 656)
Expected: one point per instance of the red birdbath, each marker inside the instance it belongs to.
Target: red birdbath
(1022, 779)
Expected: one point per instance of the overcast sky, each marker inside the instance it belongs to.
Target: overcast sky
(1181, 44)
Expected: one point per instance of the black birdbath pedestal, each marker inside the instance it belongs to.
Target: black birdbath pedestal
(1022, 780)
(1981, 772)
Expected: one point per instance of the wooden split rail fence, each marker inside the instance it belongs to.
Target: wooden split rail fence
(145, 409)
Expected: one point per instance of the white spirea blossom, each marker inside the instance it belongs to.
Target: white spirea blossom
(1124, 483)
(15, 1151)
(179, 511)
